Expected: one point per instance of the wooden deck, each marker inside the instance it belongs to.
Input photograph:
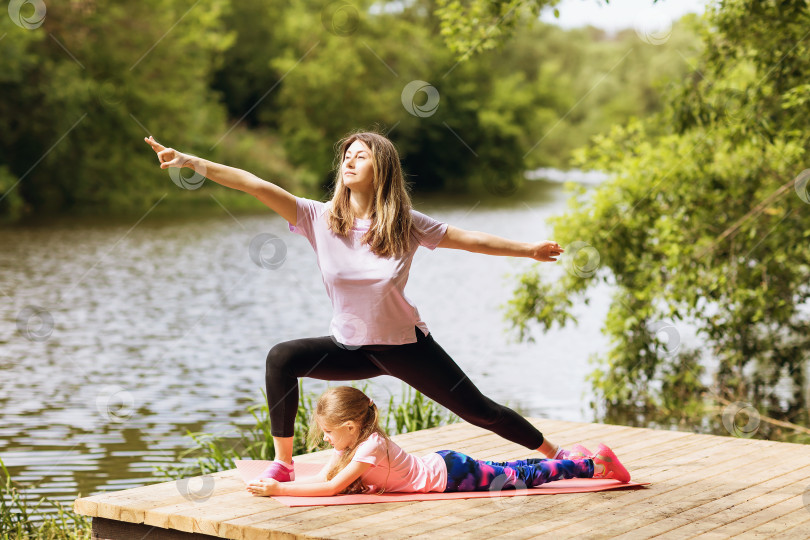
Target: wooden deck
(715, 487)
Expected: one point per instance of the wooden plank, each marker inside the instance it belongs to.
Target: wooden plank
(240, 527)
(157, 512)
(132, 508)
(228, 500)
(86, 505)
(300, 523)
(573, 503)
(197, 518)
(209, 518)
(478, 442)
(658, 506)
(473, 524)
(799, 532)
(722, 533)
(200, 523)
(688, 493)
(423, 517)
(690, 459)
(727, 510)
(783, 522)
(374, 525)
(464, 509)
(164, 493)
(570, 519)
(502, 516)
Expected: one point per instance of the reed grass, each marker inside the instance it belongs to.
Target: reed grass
(18, 519)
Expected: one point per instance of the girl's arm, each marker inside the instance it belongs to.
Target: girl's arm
(489, 244)
(341, 481)
(321, 476)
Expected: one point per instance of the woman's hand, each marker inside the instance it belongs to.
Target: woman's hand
(546, 251)
(265, 486)
(169, 157)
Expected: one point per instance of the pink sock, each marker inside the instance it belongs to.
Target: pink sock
(278, 470)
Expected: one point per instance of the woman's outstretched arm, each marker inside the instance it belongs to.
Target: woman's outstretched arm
(274, 197)
(489, 244)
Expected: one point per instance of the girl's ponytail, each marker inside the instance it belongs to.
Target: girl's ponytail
(341, 404)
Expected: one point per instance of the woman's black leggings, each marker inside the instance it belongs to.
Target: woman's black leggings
(423, 365)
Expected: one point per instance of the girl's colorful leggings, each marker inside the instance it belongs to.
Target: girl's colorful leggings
(468, 474)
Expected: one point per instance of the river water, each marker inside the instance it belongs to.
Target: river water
(163, 325)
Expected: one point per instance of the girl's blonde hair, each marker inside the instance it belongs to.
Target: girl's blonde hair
(390, 231)
(341, 404)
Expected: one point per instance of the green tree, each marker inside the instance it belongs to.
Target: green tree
(493, 109)
(704, 221)
(593, 80)
(245, 79)
(473, 26)
(16, 60)
(270, 86)
(359, 77)
(74, 120)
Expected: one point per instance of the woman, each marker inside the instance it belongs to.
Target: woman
(365, 237)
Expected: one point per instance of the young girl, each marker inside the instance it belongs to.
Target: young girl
(365, 238)
(365, 460)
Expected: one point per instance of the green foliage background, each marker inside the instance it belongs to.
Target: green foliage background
(270, 85)
(704, 222)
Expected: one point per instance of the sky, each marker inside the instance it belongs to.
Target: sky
(620, 14)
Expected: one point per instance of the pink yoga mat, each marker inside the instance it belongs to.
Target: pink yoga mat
(249, 469)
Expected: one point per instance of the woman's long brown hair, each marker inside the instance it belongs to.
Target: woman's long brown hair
(341, 404)
(390, 232)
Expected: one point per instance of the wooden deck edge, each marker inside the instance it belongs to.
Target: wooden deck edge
(111, 529)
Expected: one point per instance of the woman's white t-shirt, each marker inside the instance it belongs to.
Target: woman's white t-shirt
(367, 291)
